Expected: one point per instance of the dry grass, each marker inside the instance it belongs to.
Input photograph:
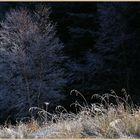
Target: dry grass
(98, 120)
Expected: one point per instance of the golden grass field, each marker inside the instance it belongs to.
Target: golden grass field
(102, 120)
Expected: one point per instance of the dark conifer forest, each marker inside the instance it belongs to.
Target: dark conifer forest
(49, 49)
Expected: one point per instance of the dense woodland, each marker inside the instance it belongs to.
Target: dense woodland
(49, 49)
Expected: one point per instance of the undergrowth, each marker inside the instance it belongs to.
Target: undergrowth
(105, 119)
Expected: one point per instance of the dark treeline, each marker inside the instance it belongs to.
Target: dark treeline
(49, 49)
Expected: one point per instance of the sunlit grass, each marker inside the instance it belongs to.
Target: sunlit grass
(120, 119)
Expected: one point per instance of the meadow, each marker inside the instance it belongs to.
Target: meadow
(120, 119)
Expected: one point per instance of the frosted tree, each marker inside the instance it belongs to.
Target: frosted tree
(119, 45)
(112, 45)
(32, 70)
(84, 76)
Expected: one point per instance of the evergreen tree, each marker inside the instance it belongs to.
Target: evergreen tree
(78, 25)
